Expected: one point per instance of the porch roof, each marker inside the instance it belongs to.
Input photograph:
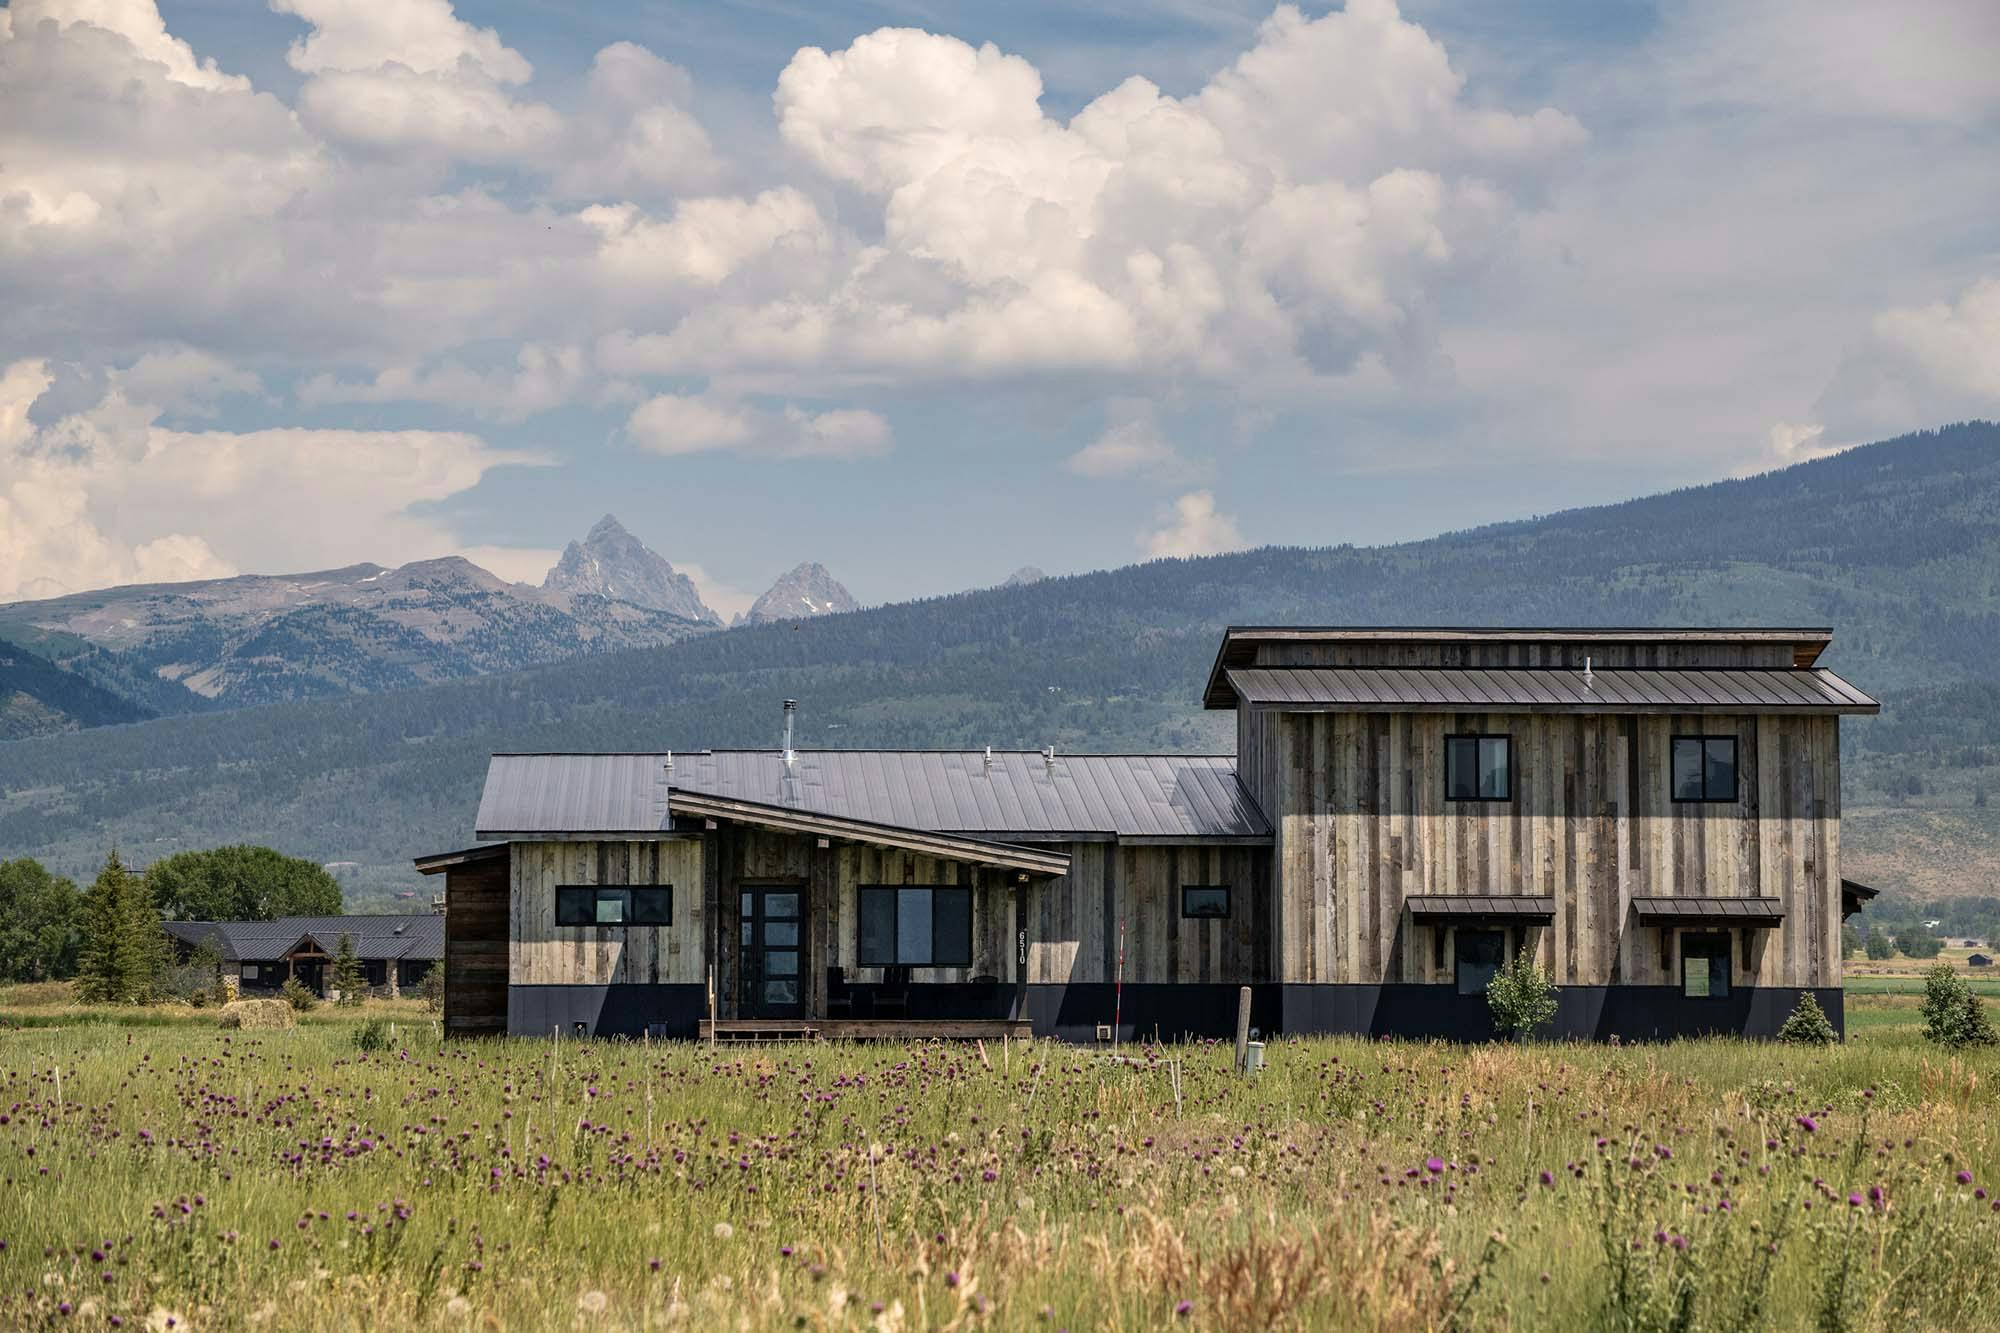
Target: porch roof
(1694, 911)
(1519, 908)
(978, 851)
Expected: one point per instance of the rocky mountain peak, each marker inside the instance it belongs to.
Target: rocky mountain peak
(611, 562)
(1023, 576)
(805, 590)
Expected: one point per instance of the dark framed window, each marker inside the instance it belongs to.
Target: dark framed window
(911, 926)
(615, 905)
(1705, 967)
(1205, 901)
(1477, 955)
(1704, 768)
(1479, 768)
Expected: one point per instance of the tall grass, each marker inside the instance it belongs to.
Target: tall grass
(293, 1180)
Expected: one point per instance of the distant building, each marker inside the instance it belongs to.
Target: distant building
(1979, 960)
(395, 951)
(1652, 814)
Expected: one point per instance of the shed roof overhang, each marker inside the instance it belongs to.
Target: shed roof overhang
(1692, 911)
(439, 862)
(976, 851)
(1620, 690)
(1854, 896)
(1469, 908)
(1240, 642)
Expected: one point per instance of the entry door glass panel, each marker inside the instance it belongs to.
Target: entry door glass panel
(772, 958)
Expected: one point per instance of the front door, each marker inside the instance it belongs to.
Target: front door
(773, 926)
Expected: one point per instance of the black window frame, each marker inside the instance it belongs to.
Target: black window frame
(864, 892)
(1705, 740)
(1228, 902)
(1478, 737)
(1715, 947)
(662, 894)
(1459, 936)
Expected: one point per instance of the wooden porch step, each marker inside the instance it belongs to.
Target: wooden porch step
(759, 1029)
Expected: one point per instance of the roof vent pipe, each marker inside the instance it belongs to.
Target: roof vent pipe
(989, 759)
(1588, 678)
(1049, 757)
(791, 711)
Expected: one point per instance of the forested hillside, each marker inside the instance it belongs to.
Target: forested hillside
(1897, 546)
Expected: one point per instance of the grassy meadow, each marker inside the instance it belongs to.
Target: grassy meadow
(158, 1168)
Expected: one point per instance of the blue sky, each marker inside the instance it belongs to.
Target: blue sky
(930, 291)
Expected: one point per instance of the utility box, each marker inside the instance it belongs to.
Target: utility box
(1253, 1057)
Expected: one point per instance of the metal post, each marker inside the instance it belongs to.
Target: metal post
(1242, 1029)
(1118, 991)
(711, 1008)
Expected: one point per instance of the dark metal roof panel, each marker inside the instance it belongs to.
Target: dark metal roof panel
(1512, 906)
(1720, 910)
(1513, 689)
(574, 793)
(420, 936)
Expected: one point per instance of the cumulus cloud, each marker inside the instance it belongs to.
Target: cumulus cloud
(1131, 447)
(542, 378)
(1192, 527)
(1920, 365)
(675, 424)
(106, 495)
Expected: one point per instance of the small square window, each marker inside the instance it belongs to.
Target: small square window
(1479, 768)
(1205, 901)
(1704, 768)
(249, 972)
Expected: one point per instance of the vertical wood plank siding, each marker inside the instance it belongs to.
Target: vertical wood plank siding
(541, 953)
(1358, 801)
(1073, 938)
(476, 949)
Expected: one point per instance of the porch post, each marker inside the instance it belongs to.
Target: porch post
(1020, 1009)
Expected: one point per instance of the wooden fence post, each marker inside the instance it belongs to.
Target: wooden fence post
(1242, 1029)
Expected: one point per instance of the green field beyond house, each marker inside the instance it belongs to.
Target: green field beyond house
(288, 1179)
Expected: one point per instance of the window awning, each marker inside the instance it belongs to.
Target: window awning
(1693, 911)
(1512, 909)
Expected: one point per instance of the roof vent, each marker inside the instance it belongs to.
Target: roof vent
(1049, 757)
(989, 759)
(1589, 678)
(791, 712)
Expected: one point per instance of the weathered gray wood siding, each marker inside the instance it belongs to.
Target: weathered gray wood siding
(541, 953)
(1073, 919)
(1363, 824)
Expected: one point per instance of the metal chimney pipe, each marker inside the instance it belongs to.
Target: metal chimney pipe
(791, 711)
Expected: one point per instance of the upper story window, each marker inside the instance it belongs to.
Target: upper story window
(1478, 768)
(1704, 768)
(1210, 901)
(614, 905)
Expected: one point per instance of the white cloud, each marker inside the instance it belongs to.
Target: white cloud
(675, 424)
(516, 564)
(1131, 447)
(541, 379)
(1192, 527)
(1920, 365)
(724, 598)
(106, 495)
(140, 24)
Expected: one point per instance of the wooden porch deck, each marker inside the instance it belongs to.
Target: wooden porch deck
(866, 1029)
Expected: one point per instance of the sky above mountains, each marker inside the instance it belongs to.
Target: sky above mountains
(931, 291)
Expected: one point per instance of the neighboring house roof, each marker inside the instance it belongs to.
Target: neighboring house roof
(1979, 960)
(1020, 797)
(1542, 690)
(418, 938)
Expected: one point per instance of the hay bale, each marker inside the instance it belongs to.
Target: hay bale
(258, 1014)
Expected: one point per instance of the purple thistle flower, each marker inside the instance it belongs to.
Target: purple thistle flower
(1965, 1177)
(1548, 1177)
(1182, 1309)
(1854, 1201)
(1434, 1165)
(1808, 1124)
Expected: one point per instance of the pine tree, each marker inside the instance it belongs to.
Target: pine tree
(124, 949)
(348, 978)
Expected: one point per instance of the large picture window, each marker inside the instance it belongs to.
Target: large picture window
(615, 905)
(914, 927)
(1477, 958)
(1705, 967)
(1478, 768)
(1704, 768)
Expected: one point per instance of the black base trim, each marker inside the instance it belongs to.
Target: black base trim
(606, 1011)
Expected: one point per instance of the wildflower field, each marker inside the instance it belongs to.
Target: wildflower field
(293, 1180)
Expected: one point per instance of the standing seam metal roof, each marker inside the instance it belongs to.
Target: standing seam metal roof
(375, 937)
(1021, 797)
(1509, 688)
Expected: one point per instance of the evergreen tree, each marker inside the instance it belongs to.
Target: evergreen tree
(348, 978)
(124, 950)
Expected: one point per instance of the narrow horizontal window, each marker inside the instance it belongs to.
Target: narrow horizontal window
(1704, 768)
(614, 905)
(1479, 768)
(913, 926)
(1208, 901)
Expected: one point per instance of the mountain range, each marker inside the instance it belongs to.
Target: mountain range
(1894, 545)
(125, 654)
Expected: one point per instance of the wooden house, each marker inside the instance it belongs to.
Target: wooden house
(260, 956)
(1653, 814)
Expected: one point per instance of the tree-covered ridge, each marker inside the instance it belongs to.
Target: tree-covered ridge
(1897, 546)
